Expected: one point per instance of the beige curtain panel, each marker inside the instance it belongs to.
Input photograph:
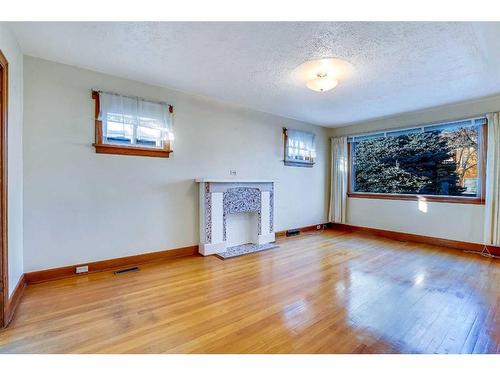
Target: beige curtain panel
(492, 205)
(338, 183)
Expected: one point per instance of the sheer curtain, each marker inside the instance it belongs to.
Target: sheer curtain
(301, 145)
(132, 112)
(338, 186)
(492, 206)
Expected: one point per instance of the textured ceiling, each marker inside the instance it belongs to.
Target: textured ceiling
(400, 66)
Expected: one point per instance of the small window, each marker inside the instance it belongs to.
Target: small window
(300, 150)
(132, 126)
(436, 161)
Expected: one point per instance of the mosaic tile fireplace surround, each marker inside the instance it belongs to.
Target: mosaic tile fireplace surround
(220, 198)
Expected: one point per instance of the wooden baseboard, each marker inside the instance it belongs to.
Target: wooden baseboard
(107, 265)
(400, 236)
(36, 277)
(302, 229)
(14, 299)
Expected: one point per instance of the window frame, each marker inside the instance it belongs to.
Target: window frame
(483, 144)
(117, 149)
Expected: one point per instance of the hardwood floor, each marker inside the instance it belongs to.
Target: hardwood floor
(334, 292)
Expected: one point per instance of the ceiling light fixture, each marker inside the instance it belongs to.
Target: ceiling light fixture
(322, 83)
(323, 74)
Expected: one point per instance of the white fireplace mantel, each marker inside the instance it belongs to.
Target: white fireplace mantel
(220, 198)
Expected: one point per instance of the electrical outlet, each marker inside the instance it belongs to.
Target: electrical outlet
(232, 172)
(82, 269)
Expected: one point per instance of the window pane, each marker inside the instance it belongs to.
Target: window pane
(119, 133)
(149, 137)
(443, 161)
(123, 133)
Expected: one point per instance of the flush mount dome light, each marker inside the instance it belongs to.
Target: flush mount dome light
(322, 83)
(324, 74)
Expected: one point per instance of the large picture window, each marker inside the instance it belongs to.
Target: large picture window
(443, 160)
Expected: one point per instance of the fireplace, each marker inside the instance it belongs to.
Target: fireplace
(235, 214)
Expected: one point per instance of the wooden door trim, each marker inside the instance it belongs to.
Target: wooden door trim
(3, 193)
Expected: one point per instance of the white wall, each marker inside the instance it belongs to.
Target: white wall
(12, 52)
(81, 206)
(461, 222)
(444, 220)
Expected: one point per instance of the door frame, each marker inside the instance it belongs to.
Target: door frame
(4, 269)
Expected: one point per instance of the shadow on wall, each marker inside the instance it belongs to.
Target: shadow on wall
(181, 200)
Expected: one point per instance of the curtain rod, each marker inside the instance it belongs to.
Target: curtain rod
(130, 96)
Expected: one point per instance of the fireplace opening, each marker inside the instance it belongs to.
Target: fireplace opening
(241, 228)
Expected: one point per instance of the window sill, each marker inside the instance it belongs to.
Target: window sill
(132, 151)
(413, 197)
(290, 163)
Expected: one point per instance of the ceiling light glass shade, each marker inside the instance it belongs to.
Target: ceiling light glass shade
(322, 84)
(323, 74)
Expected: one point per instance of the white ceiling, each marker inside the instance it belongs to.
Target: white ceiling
(400, 67)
